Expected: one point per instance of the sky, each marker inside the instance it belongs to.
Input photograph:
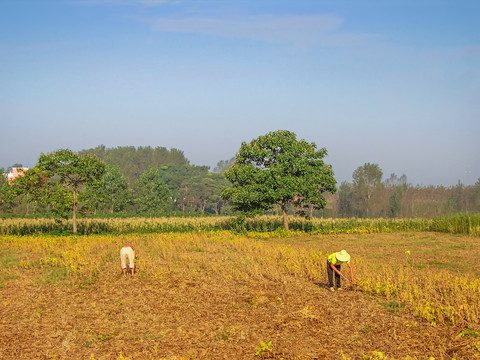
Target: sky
(394, 83)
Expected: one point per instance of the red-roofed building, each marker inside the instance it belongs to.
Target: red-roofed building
(14, 173)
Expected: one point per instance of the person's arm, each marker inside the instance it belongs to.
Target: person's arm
(351, 271)
(338, 272)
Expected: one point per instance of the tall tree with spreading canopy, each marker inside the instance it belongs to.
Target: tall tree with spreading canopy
(68, 173)
(279, 169)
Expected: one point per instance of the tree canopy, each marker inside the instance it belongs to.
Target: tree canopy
(279, 169)
(152, 193)
(111, 193)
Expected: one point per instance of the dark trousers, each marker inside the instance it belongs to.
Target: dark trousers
(330, 274)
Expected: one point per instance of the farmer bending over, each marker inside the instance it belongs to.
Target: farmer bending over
(127, 251)
(334, 263)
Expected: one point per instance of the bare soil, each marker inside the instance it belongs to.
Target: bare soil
(205, 317)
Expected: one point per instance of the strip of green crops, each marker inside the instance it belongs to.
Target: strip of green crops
(466, 224)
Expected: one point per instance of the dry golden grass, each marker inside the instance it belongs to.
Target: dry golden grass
(216, 295)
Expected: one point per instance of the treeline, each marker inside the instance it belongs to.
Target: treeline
(136, 181)
(134, 161)
(368, 196)
(146, 181)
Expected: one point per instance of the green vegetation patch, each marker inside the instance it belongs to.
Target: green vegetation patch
(8, 259)
(52, 276)
(393, 306)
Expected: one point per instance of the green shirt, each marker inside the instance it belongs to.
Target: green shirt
(332, 258)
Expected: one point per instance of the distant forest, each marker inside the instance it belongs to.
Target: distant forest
(146, 181)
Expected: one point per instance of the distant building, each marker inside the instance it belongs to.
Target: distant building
(14, 173)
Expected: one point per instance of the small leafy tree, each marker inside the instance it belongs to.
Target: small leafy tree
(67, 174)
(279, 169)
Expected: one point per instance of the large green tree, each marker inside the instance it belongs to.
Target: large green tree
(279, 169)
(68, 174)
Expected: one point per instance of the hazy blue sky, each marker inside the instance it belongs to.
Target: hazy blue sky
(396, 82)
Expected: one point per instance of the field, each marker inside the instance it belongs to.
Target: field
(219, 295)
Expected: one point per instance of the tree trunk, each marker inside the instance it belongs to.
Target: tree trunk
(285, 219)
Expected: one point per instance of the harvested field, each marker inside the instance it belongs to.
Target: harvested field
(222, 296)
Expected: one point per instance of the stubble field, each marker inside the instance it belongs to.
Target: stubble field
(217, 295)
